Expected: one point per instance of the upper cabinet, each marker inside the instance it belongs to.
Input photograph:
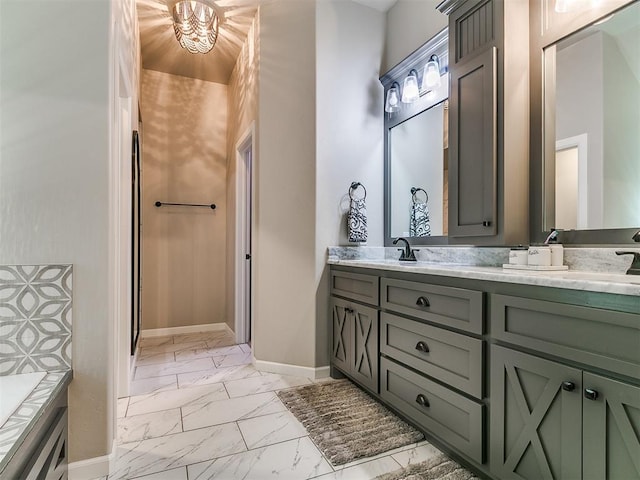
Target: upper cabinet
(488, 121)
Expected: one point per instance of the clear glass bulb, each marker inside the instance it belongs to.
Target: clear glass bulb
(410, 92)
(393, 101)
(431, 76)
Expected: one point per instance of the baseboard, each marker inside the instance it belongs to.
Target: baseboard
(207, 327)
(94, 468)
(288, 369)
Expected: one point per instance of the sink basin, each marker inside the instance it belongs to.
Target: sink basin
(14, 389)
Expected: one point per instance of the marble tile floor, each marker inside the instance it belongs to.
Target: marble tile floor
(199, 410)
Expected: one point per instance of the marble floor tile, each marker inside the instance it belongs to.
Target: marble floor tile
(155, 341)
(295, 459)
(173, 368)
(221, 341)
(231, 410)
(201, 336)
(381, 455)
(416, 455)
(264, 383)
(180, 449)
(123, 403)
(150, 425)
(271, 429)
(364, 471)
(217, 375)
(172, 348)
(173, 474)
(153, 358)
(245, 347)
(169, 399)
(243, 358)
(207, 352)
(153, 385)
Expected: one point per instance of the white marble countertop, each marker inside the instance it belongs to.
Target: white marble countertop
(571, 279)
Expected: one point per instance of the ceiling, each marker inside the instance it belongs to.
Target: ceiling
(161, 51)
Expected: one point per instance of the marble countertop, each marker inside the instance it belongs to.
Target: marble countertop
(570, 279)
(20, 423)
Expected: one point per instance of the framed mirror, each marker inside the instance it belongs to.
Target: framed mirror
(589, 160)
(416, 149)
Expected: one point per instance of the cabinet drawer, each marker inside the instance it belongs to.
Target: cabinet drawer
(450, 357)
(600, 338)
(454, 307)
(363, 288)
(446, 414)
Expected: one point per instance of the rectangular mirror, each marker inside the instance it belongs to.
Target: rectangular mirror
(591, 169)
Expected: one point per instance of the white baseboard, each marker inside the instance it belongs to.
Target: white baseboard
(94, 468)
(207, 327)
(288, 369)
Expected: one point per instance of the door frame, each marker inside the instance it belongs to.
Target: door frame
(580, 142)
(246, 142)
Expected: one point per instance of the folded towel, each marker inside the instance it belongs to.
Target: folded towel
(357, 220)
(419, 223)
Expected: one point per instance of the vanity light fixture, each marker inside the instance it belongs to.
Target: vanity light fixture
(411, 91)
(563, 6)
(195, 24)
(392, 104)
(431, 77)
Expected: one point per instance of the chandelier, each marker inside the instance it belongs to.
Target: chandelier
(195, 24)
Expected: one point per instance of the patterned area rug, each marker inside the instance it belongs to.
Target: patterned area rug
(439, 467)
(346, 423)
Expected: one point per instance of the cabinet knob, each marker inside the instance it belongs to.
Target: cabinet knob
(590, 394)
(422, 400)
(486, 223)
(422, 347)
(568, 386)
(348, 310)
(423, 302)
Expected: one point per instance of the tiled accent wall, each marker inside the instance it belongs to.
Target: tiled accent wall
(35, 318)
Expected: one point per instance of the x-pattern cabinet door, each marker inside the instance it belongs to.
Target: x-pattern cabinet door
(611, 429)
(341, 342)
(364, 366)
(536, 417)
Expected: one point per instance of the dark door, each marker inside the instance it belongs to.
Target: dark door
(136, 260)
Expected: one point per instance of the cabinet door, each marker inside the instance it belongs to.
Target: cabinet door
(472, 146)
(611, 429)
(536, 416)
(364, 334)
(341, 334)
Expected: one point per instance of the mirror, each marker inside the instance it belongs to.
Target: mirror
(592, 126)
(418, 175)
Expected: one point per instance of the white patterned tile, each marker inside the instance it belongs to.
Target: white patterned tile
(416, 455)
(123, 403)
(245, 347)
(217, 375)
(233, 359)
(294, 459)
(180, 449)
(154, 358)
(167, 400)
(364, 471)
(150, 425)
(173, 474)
(153, 385)
(270, 429)
(231, 410)
(264, 383)
(207, 352)
(173, 368)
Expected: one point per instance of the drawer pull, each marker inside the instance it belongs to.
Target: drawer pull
(422, 401)
(422, 347)
(590, 394)
(348, 310)
(568, 386)
(423, 302)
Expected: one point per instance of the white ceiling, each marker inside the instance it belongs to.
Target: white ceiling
(161, 51)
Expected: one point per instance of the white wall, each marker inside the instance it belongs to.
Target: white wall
(57, 104)
(349, 131)
(410, 23)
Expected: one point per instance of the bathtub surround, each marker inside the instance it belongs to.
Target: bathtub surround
(35, 318)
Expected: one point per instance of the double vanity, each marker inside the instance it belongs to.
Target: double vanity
(524, 375)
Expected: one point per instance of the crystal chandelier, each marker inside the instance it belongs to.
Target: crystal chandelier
(195, 24)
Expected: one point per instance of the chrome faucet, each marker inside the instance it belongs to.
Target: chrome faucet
(407, 255)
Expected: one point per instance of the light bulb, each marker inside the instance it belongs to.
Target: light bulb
(393, 101)
(431, 76)
(411, 92)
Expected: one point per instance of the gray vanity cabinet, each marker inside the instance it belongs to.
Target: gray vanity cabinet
(488, 121)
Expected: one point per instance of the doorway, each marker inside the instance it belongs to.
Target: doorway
(244, 228)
